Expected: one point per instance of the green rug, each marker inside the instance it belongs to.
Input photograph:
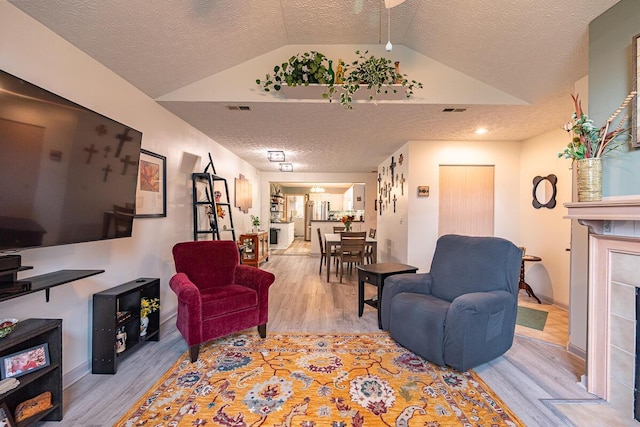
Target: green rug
(531, 318)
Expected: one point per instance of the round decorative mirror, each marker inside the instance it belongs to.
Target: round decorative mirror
(544, 191)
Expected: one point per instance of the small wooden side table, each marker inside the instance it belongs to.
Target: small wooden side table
(524, 285)
(375, 274)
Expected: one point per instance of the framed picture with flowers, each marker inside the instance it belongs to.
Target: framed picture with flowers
(151, 193)
(636, 105)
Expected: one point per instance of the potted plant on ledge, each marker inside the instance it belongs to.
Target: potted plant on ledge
(377, 75)
(300, 70)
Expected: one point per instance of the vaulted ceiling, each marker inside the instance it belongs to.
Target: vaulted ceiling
(532, 51)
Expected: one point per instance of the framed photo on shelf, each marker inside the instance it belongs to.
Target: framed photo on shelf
(635, 120)
(5, 416)
(151, 191)
(25, 361)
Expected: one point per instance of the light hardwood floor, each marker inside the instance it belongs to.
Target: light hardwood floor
(538, 380)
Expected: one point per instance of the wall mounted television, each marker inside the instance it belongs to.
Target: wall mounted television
(63, 168)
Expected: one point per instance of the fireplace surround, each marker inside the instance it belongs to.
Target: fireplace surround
(614, 260)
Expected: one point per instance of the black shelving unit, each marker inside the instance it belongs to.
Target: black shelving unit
(30, 333)
(211, 206)
(106, 323)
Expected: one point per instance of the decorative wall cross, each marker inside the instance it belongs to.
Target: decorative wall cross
(126, 163)
(402, 180)
(392, 167)
(388, 193)
(91, 150)
(107, 150)
(106, 170)
(401, 159)
(123, 137)
(380, 205)
(379, 183)
(395, 199)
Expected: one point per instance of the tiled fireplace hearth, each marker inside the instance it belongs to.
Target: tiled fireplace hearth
(614, 267)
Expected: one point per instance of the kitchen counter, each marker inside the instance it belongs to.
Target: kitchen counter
(285, 235)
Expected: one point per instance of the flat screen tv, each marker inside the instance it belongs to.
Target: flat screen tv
(63, 169)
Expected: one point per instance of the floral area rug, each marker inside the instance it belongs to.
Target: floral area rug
(335, 380)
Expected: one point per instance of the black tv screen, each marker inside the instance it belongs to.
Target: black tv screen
(63, 169)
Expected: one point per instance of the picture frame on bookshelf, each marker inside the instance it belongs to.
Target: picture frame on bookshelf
(25, 361)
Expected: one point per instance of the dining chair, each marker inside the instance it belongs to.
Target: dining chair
(323, 252)
(368, 249)
(339, 229)
(351, 249)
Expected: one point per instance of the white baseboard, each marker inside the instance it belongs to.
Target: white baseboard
(84, 369)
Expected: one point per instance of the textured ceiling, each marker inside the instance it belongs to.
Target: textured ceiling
(533, 50)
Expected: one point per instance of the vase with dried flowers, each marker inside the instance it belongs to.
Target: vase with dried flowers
(590, 144)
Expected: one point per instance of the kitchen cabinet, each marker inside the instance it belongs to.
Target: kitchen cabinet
(347, 199)
(256, 248)
(353, 198)
(358, 197)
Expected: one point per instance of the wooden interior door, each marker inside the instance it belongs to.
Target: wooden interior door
(466, 200)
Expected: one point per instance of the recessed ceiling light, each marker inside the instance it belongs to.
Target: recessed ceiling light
(481, 131)
(286, 167)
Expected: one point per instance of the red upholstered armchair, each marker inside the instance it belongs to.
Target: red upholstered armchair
(216, 295)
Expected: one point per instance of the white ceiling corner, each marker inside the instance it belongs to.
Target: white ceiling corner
(503, 60)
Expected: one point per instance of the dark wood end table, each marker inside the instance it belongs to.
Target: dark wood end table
(375, 274)
(524, 285)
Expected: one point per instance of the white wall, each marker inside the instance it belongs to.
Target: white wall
(393, 227)
(425, 157)
(409, 234)
(34, 53)
(543, 231)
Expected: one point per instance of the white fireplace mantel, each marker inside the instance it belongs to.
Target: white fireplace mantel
(609, 235)
(595, 215)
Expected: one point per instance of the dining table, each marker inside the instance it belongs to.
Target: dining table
(332, 241)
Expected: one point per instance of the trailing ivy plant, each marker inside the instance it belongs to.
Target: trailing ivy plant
(378, 75)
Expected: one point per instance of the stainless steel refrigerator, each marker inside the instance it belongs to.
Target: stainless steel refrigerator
(308, 216)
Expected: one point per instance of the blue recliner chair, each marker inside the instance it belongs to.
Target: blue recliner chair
(463, 312)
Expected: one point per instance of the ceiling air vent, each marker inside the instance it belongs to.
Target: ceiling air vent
(238, 107)
(454, 110)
